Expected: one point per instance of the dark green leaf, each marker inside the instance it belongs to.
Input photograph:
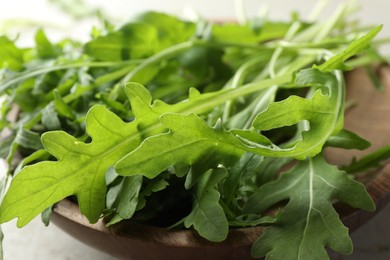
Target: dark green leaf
(207, 215)
(28, 139)
(50, 118)
(369, 161)
(348, 140)
(308, 222)
(45, 216)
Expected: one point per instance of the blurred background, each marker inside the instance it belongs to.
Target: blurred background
(21, 18)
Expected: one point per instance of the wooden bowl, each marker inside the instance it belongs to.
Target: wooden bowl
(370, 118)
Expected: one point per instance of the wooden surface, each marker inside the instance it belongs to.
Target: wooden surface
(370, 118)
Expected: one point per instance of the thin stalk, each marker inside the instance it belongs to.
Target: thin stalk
(26, 75)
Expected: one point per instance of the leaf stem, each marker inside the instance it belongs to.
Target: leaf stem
(29, 74)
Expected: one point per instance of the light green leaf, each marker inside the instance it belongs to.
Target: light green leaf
(170, 29)
(337, 61)
(189, 141)
(43, 46)
(323, 111)
(46, 183)
(79, 171)
(308, 223)
(131, 41)
(11, 57)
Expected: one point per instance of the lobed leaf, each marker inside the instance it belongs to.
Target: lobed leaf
(336, 62)
(308, 223)
(323, 111)
(79, 170)
(207, 215)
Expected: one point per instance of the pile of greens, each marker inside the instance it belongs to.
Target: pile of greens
(188, 125)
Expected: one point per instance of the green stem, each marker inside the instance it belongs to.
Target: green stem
(29, 74)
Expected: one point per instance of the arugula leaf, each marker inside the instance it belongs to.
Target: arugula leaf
(336, 62)
(207, 215)
(43, 46)
(124, 197)
(308, 222)
(322, 111)
(10, 56)
(112, 139)
(39, 186)
(132, 41)
(190, 139)
(369, 161)
(170, 29)
(348, 140)
(205, 128)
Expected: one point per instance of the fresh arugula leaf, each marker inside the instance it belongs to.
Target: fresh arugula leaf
(28, 139)
(11, 57)
(207, 215)
(170, 29)
(124, 197)
(337, 61)
(187, 142)
(132, 41)
(39, 186)
(248, 34)
(50, 118)
(369, 161)
(44, 47)
(244, 169)
(308, 222)
(249, 81)
(348, 140)
(322, 110)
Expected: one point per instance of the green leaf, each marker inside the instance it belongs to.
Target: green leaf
(61, 107)
(337, 61)
(323, 111)
(43, 46)
(245, 168)
(170, 29)
(207, 215)
(369, 161)
(348, 140)
(248, 34)
(10, 56)
(79, 171)
(45, 216)
(125, 196)
(112, 139)
(50, 118)
(28, 139)
(308, 222)
(189, 141)
(131, 41)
